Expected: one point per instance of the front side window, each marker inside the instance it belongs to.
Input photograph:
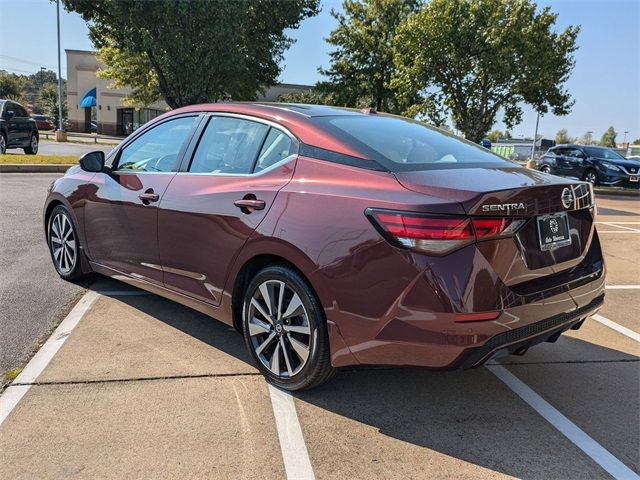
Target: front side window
(405, 145)
(156, 150)
(228, 145)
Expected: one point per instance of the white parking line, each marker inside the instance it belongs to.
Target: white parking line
(618, 328)
(578, 437)
(619, 225)
(616, 231)
(622, 287)
(294, 450)
(13, 394)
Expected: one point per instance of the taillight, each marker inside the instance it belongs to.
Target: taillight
(437, 234)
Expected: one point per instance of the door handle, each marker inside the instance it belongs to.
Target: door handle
(149, 196)
(250, 204)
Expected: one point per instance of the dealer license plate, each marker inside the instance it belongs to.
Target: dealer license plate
(553, 231)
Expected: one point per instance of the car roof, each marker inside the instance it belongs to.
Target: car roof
(297, 118)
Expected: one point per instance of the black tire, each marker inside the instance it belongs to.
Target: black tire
(3, 144)
(57, 229)
(591, 176)
(545, 169)
(32, 149)
(294, 372)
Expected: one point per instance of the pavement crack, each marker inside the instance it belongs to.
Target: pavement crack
(132, 379)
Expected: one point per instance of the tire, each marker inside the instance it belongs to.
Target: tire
(288, 340)
(3, 144)
(64, 246)
(32, 149)
(545, 169)
(591, 176)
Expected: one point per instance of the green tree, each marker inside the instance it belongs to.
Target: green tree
(563, 137)
(495, 135)
(362, 61)
(586, 139)
(198, 51)
(609, 138)
(477, 57)
(636, 142)
(312, 96)
(11, 86)
(49, 102)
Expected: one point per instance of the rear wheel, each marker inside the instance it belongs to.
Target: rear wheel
(64, 245)
(32, 149)
(591, 176)
(546, 169)
(285, 330)
(3, 144)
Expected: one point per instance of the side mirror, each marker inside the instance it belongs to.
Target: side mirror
(92, 161)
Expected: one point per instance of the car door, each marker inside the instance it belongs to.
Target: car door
(574, 161)
(210, 209)
(121, 218)
(563, 165)
(12, 117)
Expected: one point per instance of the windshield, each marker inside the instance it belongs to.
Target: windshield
(405, 145)
(606, 153)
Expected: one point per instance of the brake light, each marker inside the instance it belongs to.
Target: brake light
(476, 317)
(437, 234)
(495, 227)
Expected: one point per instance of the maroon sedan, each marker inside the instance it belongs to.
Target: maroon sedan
(332, 237)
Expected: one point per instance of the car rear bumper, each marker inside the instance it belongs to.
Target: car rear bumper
(418, 329)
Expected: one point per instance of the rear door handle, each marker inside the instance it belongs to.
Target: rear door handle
(149, 196)
(250, 204)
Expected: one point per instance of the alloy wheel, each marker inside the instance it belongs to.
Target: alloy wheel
(546, 169)
(3, 144)
(591, 178)
(279, 328)
(34, 144)
(63, 243)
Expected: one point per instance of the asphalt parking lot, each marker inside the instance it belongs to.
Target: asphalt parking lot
(49, 147)
(145, 388)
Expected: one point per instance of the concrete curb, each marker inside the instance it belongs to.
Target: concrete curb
(33, 168)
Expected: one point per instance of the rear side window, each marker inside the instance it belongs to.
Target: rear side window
(277, 146)
(228, 145)
(405, 145)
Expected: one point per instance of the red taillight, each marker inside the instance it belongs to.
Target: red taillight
(436, 228)
(438, 234)
(495, 227)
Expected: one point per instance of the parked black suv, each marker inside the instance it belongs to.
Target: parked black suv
(17, 129)
(597, 165)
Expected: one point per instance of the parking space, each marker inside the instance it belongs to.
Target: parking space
(143, 387)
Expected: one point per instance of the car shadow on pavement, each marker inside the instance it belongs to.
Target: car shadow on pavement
(470, 415)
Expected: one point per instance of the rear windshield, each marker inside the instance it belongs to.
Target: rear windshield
(406, 145)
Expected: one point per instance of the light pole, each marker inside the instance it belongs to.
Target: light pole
(625, 138)
(535, 137)
(59, 136)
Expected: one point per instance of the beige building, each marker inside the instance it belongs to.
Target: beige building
(90, 99)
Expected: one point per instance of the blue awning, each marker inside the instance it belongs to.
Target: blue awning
(89, 99)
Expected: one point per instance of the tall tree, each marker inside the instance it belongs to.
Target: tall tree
(587, 138)
(609, 138)
(477, 57)
(563, 136)
(198, 51)
(10, 85)
(49, 103)
(362, 62)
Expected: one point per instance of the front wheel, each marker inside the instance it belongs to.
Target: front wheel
(285, 329)
(32, 149)
(591, 176)
(63, 243)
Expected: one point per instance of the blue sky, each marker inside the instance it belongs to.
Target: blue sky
(605, 82)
